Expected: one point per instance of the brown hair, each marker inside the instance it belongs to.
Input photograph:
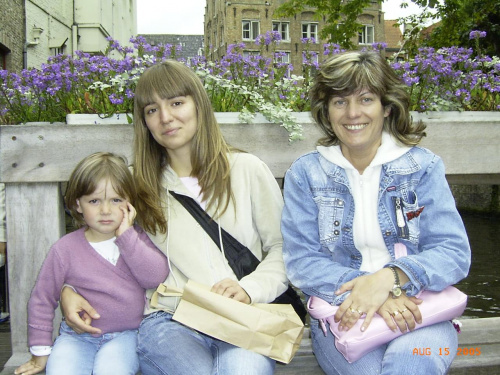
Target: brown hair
(347, 73)
(209, 150)
(87, 175)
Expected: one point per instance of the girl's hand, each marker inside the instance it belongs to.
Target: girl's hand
(368, 294)
(401, 312)
(231, 289)
(33, 366)
(129, 214)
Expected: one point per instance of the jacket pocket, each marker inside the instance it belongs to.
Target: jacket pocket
(331, 213)
(412, 212)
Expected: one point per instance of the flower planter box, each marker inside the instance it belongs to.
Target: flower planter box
(34, 159)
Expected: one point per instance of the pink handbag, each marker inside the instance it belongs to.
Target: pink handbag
(354, 344)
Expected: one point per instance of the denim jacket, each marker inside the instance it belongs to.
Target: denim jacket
(415, 207)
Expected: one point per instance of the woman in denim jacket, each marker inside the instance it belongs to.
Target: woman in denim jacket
(367, 187)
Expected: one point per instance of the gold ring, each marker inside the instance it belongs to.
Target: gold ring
(360, 312)
(404, 310)
(353, 311)
(395, 313)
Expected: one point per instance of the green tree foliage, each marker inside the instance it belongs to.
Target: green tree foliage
(460, 17)
(340, 17)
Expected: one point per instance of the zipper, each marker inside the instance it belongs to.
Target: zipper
(400, 218)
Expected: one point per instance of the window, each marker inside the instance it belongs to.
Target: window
(248, 54)
(366, 35)
(283, 28)
(4, 51)
(282, 57)
(250, 30)
(310, 31)
(58, 50)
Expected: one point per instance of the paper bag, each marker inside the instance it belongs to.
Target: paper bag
(273, 330)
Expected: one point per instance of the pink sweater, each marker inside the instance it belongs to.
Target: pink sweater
(116, 292)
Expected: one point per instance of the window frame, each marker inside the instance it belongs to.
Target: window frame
(252, 33)
(308, 33)
(280, 25)
(363, 35)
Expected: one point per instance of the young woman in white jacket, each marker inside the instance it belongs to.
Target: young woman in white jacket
(179, 148)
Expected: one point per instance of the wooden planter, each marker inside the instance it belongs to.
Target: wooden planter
(35, 159)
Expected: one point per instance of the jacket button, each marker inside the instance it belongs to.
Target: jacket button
(336, 232)
(336, 223)
(388, 233)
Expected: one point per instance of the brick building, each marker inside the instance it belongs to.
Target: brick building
(230, 22)
(393, 37)
(12, 32)
(190, 45)
(33, 30)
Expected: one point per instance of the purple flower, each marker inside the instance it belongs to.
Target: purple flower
(476, 34)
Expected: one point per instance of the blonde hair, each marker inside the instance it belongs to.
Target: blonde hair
(87, 175)
(209, 150)
(345, 74)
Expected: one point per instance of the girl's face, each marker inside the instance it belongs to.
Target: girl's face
(172, 123)
(102, 211)
(357, 121)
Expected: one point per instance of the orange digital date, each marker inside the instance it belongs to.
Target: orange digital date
(469, 351)
(446, 351)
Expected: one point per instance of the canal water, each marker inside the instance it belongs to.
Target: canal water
(483, 283)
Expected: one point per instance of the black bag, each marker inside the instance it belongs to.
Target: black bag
(241, 260)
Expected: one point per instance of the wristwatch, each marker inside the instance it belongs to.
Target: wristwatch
(396, 289)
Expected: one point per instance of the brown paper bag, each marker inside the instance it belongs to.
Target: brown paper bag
(273, 330)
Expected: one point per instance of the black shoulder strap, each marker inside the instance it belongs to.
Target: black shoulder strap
(241, 260)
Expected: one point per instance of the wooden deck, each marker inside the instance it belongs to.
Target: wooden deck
(476, 333)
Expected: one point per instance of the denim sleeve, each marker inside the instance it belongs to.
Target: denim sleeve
(444, 256)
(308, 267)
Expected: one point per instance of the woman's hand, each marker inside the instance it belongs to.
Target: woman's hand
(231, 289)
(72, 304)
(368, 294)
(33, 366)
(401, 312)
(129, 214)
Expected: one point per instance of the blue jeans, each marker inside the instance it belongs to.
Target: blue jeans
(109, 354)
(167, 347)
(422, 351)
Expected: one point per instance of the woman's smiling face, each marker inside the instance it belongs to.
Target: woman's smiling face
(357, 120)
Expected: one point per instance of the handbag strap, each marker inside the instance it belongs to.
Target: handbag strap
(241, 260)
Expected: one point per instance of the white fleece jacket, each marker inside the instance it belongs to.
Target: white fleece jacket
(364, 188)
(255, 222)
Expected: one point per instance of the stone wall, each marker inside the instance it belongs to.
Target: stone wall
(477, 198)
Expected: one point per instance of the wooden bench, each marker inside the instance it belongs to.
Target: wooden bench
(36, 159)
(482, 334)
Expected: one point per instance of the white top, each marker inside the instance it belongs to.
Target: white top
(191, 183)
(107, 249)
(368, 237)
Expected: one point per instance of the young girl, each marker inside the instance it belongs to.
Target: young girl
(109, 261)
(179, 148)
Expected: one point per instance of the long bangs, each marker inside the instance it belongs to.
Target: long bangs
(166, 80)
(358, 76)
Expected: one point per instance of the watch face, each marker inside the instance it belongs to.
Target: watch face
(396, 292)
